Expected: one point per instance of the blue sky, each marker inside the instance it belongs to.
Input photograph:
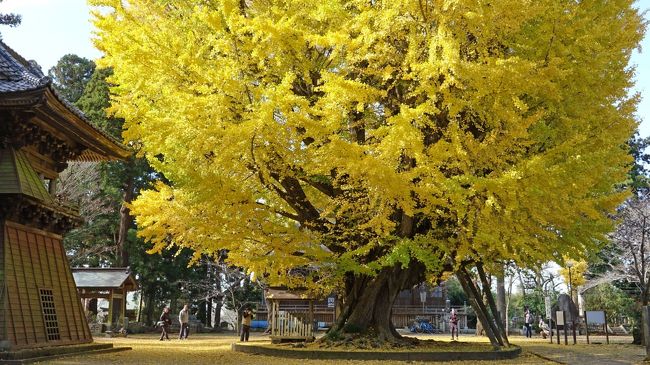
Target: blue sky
(53, 28)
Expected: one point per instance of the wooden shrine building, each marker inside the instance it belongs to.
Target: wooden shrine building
(39, 133)
(110, 283)
(287, 326)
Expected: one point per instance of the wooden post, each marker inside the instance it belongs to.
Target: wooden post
(550, 329)
(311, 318)
(110, 310)
(606, 331)
(274, 322)
(587, 327)
(573, 327)
(123, 308)
(269, 317)
(566, 340)
(559, 314)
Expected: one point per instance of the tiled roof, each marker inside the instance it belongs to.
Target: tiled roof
(19, 75)
(98, 277)
(286, 294)
(18, 177)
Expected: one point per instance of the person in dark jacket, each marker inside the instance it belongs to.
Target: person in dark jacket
(453, 323)
(165, 322)
(246, 321)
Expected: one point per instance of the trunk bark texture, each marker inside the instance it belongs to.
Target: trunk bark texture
(492, 305)
(481, 312)
(501, 299)
(126, 221)
(369, 301)
(217, 314)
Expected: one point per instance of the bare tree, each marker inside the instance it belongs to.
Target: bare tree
(630, 243)
(225, 285)
(79, 186)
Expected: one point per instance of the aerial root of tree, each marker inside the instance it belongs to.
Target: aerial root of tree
(493, 329)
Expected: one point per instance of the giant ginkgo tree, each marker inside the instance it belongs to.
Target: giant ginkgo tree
(365, 146)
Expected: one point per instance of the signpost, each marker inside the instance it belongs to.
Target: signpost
(423, 297)
(596, 317)
(559, 315)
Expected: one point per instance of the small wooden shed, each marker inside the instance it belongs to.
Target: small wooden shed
(112, 284)
(286, 326)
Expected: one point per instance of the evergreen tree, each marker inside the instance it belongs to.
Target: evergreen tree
(12, 20)
(70, 76)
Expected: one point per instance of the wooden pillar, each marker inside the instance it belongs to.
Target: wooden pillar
(123, 308)
(311, 318)
(586, 327)
(274, 322)
(110, 309)
(607, 328)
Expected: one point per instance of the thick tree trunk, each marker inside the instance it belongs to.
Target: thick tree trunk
(217, 314)
(501, 298)
(149, 308)
(368, 303)
(126, 221)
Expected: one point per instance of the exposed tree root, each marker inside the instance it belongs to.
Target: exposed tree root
(366, 340)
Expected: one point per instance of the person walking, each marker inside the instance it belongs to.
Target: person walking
(165, 322)
(184, 319)
(246, 320)
(528, 321)
(453, 324)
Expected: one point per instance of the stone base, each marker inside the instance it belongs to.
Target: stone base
(28, 356)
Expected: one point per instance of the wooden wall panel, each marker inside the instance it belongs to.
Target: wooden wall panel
(35, 260)
(30, 289)
(37, 273)
(17, 332)
(3, 288)
(60, 299)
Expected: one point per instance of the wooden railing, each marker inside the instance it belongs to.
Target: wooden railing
(321, 313)
(285, 326)
(403, 315)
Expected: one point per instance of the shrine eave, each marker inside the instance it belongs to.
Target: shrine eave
(64, 117)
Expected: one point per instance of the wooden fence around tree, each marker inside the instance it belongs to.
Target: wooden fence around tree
(403, 315)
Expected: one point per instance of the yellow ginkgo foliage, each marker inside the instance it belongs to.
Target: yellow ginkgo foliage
(577, 270)
(363, 146)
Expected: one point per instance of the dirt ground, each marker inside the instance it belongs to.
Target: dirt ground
(216, 349)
